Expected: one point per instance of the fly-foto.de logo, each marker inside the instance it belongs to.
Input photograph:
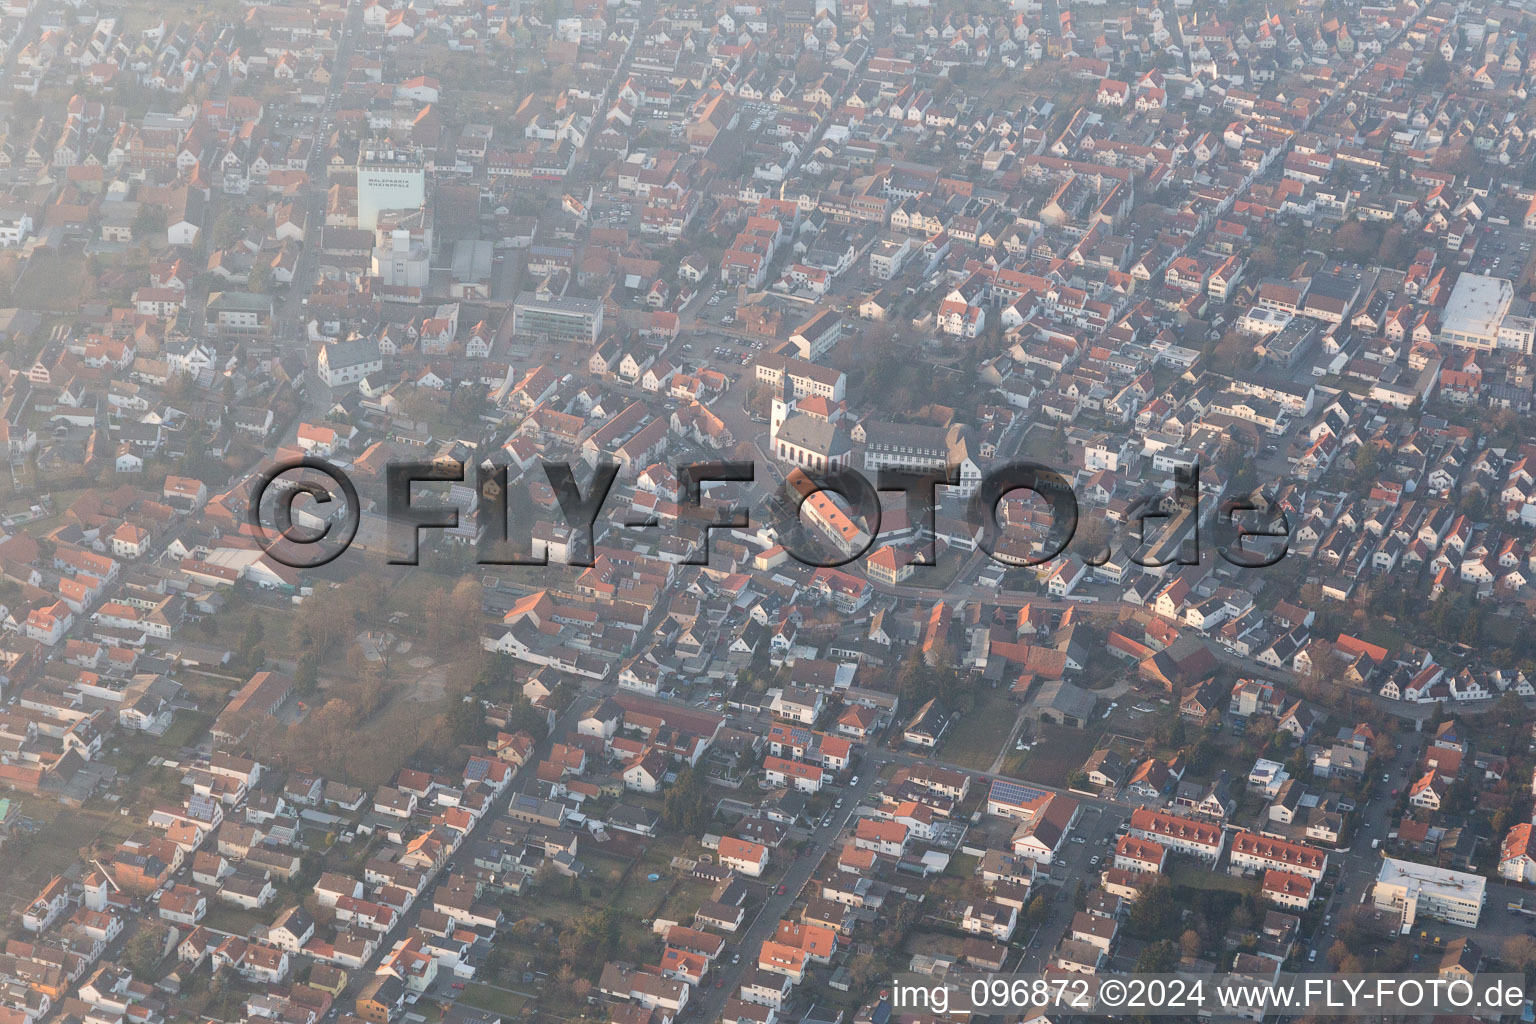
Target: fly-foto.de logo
(306, 512)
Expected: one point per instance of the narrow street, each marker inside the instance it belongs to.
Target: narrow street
(406, 921)
(776, 906)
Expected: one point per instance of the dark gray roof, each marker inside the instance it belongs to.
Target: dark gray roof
(814, 434)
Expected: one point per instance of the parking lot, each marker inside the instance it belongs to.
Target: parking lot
(1082, 858)
(1503, 251)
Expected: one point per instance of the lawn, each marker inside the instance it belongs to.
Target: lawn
(60, 498)
(1041, 445)
(684, 899)
(277, 630)
(1378, 631)
(975, 740)
(556, 904)
(640, 897)
(941, 574)
(603, 871)
(186, 728)
(1058, 753)
(237, 921)
(658, 856)
(54, 280)
(496, 1000)
(637, 943)
(210, 691)
(26, 863)
(1192, 876)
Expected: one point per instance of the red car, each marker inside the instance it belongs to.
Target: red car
(780, 891)
(719, 983)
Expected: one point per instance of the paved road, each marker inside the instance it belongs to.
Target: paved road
(1359, 866)
(712, 999)
(406, 921)
(1096, 827)
(1101, 817)
(291, 315)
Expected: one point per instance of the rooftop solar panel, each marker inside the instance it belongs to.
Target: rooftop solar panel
(1016, 793)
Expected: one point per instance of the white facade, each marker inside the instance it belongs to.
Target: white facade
(1475, 314)
(387, 184)
(402, 263)
(1417, 890)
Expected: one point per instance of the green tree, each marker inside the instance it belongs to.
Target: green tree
(1367, 461)
(261, 280)
(914, 680)
(227, 228)
(149, 221)
(466, 722)
(593, 937)
(142, 952)
(495, 673)
(524, 717)
(252, 653)
(307, 676)
(1155, 914)
(686, 807)
(1160, 957)
(1036, 911)
(1435, 72)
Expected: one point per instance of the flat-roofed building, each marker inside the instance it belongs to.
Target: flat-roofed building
(387, 180)
(1418, 890)
(1475, 312)
(557, 317)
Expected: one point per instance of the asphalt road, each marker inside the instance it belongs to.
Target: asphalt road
(1096, 827)
(711, 999)
(407, 921)
(1358, 866)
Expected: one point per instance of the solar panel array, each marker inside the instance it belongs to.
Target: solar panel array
(1016, 793)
